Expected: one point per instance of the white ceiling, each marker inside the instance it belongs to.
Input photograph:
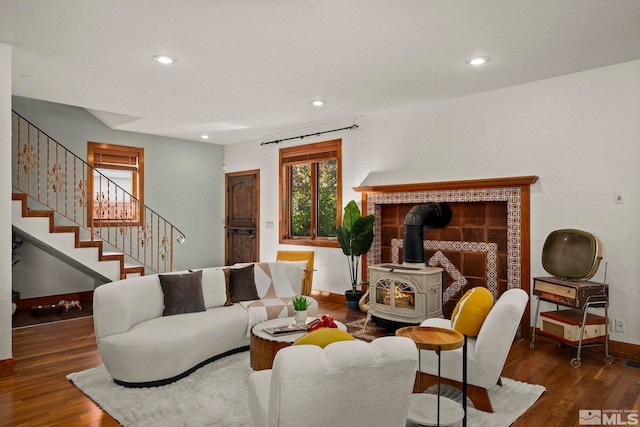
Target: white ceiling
(248, 69)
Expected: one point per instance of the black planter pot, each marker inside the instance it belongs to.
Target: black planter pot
(353, 299)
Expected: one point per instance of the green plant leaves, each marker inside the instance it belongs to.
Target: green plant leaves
(300, 302)
(356, 234)
(355, 237)
(362, 235)
(351, 215)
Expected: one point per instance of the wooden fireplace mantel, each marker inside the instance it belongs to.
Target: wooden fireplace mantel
(515, 181)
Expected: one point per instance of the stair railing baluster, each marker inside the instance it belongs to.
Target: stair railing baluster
(171, 245)
(66, 184)
(18, 141)
(27, 158)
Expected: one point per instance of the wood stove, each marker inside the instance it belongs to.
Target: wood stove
(405, 294)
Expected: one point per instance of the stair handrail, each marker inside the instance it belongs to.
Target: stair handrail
(27, 161)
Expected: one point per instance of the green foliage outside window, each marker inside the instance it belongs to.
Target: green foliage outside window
(301, 200)
(301, 203)
(327, 198)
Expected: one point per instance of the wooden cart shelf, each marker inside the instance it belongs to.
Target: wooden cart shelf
(575, 325)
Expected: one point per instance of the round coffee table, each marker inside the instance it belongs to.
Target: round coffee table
(264, 346)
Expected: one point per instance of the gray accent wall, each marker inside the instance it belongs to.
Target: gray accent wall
(184, 182)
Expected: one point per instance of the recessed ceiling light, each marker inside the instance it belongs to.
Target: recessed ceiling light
(164, 59)
(318, 102)
(478, 60)
(204, 136)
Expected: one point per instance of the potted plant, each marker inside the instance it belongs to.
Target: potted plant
(355, 237)
(300, 306)
(15, 258)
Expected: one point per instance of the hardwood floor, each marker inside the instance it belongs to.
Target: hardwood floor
(38, 393)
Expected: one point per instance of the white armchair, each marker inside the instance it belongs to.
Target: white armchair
(486, 353)
(347, 383)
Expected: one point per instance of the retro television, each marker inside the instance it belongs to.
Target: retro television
(571, 254)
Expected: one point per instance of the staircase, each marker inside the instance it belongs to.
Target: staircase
(53, 210)
(39, 228)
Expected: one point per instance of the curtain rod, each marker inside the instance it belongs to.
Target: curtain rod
(278, 141)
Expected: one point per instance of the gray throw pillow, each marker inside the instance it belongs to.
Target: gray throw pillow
(242, 284)
(182, 293)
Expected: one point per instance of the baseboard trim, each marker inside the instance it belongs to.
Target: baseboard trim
(83, 297)
(6, 367)
(620, 349)
(616, 348)
(328, 297)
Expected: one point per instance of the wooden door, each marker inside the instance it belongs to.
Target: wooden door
(242, 204)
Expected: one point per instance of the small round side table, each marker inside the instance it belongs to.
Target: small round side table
(421, 406)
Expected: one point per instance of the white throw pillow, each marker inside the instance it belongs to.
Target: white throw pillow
(214, 287)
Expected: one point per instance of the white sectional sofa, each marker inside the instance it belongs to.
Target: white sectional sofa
(141, 347)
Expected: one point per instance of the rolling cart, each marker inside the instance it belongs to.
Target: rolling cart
(575, 325)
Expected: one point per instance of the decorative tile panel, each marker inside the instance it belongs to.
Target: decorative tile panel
(510, 195)
(440, 260)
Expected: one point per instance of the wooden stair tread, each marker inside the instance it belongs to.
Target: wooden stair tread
(66, 229)
(89, 243)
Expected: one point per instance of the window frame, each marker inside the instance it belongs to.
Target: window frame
(303, 154)
(94, 150)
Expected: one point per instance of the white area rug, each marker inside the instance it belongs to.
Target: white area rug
(509, 401)
(217, 394)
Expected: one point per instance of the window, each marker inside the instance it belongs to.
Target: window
(310, 193)
(116, 183)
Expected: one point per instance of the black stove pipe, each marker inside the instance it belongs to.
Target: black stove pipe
(429, 215)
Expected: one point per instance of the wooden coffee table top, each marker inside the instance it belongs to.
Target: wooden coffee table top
(263, 346)
(432, 338)
(258, 329)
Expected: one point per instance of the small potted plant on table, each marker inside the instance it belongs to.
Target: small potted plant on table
(300, 305)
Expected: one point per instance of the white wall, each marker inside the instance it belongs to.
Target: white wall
(5, 205)
(579, 133)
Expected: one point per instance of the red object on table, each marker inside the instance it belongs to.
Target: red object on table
(325, 322)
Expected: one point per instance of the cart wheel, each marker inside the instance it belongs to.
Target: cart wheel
(575, 363)
(608, 359)
(532, 345)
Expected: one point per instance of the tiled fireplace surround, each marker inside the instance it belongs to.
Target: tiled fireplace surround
(485, 244)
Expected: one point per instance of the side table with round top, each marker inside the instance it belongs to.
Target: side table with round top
(264, 346)
(421, 408)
